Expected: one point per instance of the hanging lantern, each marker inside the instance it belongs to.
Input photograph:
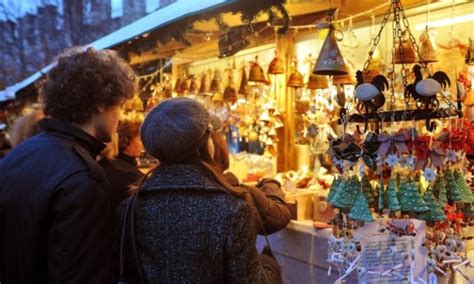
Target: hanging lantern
(330, 60)
(317, 82)
(256, 73)
(296, 78)
(193, 87)
(408, 50)
(215, 83)
(276, 65)
(427, 52)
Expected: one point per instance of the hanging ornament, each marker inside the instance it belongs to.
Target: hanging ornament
(230, 95)
(296, 78)
(429, 174)
(244, 86)
(330, 61)
(256, 73)
(216, 83)
(203, 90)
(193, 87)
(276, 66)
(317, 82)
(278, 123)
(407, 55)
(392, 160)
(264, 117)
(427, 52)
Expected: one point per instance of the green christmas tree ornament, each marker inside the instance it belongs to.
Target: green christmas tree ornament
(381, 202)
(360, 210)
(466, 193)
(346, 196)
(392, 199)
(440, 192)
(410, 198)
(435, 212)
(368, 191)
(454, 191)
(468, 211)
(334, 187)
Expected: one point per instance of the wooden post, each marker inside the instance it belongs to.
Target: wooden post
(285, 46)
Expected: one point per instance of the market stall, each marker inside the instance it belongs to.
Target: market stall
(362, 111)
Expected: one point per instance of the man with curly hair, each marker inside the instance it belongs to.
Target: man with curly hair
(57, 223)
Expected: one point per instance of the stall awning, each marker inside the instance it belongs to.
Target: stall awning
(162, 17)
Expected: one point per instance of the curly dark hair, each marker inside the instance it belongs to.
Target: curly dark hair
(127, 131)
(83, 81)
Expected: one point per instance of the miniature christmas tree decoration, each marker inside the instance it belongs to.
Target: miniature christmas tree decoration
(439, 190)
(360, 210)
(466, 193)
(435, 212)
(410, 198)
(368, 191)
(381, 203)
(454, 192)
(392, 200)
(334, 187)
(345, 196)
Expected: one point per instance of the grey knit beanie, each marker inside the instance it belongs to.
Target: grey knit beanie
(175, 129)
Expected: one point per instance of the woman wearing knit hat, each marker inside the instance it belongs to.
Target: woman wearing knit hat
(186, 224)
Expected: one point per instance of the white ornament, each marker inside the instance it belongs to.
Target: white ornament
(429, 174)
(392, 160)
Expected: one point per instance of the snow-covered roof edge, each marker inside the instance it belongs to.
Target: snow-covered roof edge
(162, 17)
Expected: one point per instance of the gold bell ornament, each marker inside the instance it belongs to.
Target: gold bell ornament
(177, 85)
(276, 66)
(317, 82)
(204, 83)
(272, 132)
(296, 78)
(215, 83)
(217, 97)
(183, 87)
(408, 50)
(370, 74)
(244, 86)
(256, 73)
(330, 61)
(427, 52)
(345, 79)
(230, 95)
(193, 87)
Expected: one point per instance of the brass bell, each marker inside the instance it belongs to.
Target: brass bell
(370, 75)
(204, 83)
(230, 95)
(408, 50)
(183, 87)
(317, 82)
(330, 60)
(217, 97)
(276, 65)
(256, 73)
(244, 86)
(167, 93)
(346, 79)
(193, 87)
(215, 83)
(296, 78)
(427, 52)
(177, 85)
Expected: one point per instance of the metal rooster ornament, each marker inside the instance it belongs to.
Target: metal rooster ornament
(370, 95)
(424, 91)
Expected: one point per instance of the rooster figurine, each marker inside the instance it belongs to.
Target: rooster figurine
(424, 91)
(370, 95)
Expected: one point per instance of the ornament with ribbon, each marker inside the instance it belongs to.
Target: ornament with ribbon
(428, 153)
(393, 143)
(452, 140)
